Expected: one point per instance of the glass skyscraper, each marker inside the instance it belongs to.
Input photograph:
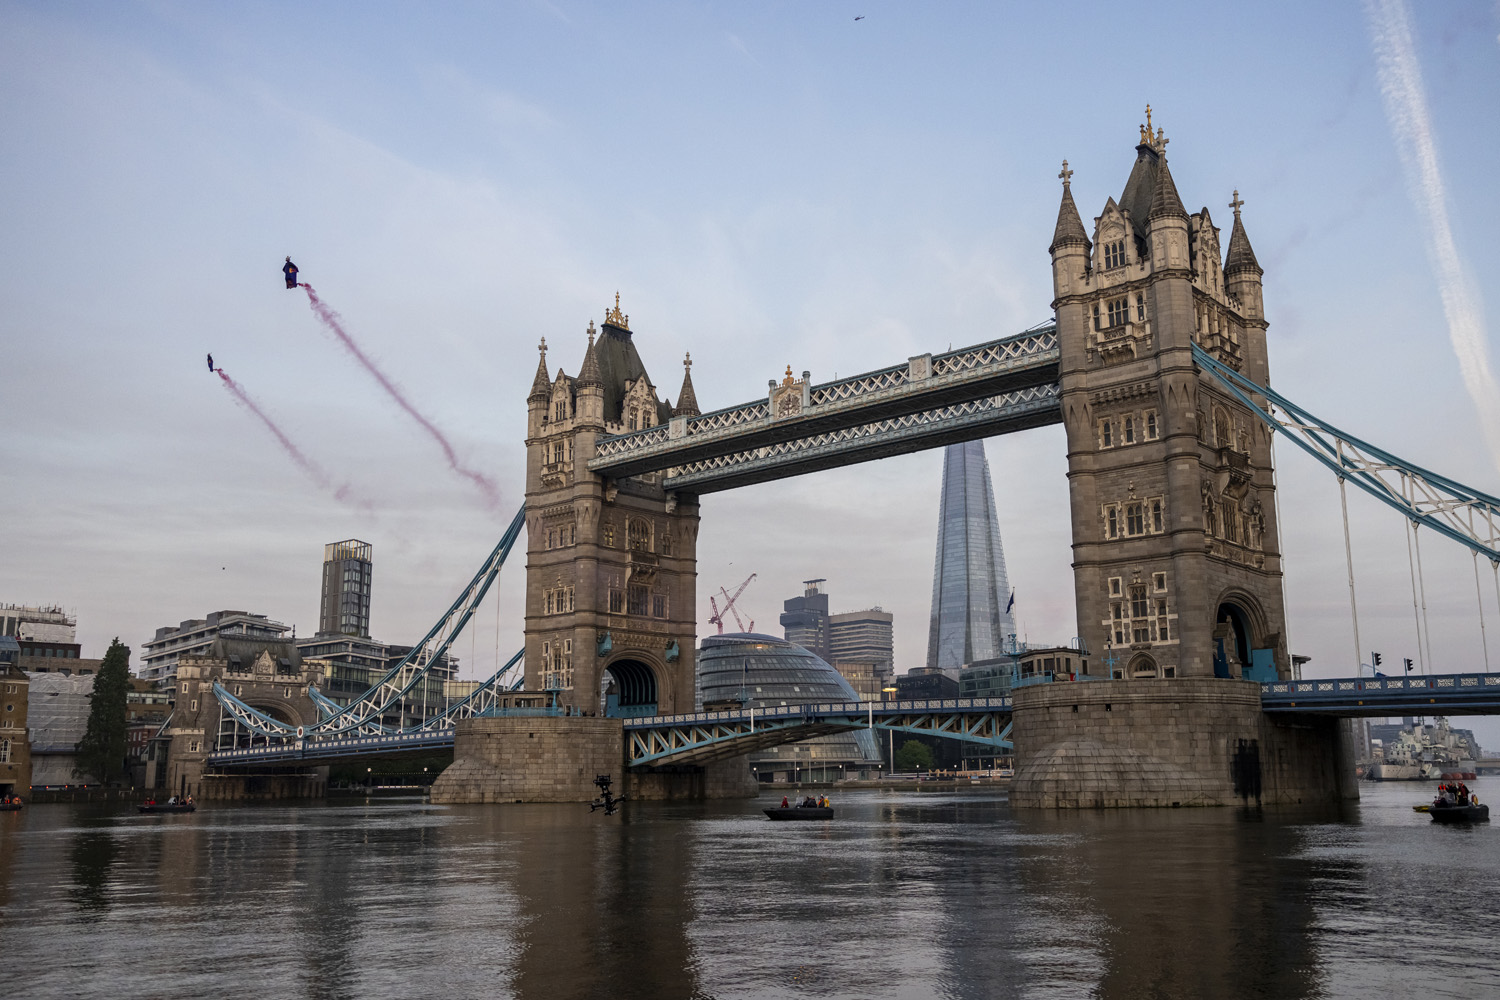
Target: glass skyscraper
(970, 592)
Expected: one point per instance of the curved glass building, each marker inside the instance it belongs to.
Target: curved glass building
(762, 671)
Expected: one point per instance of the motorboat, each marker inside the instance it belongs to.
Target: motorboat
(167, 807)
(800, 812)
(1455, 813)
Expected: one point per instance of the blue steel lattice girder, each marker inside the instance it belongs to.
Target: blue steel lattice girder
(1445, 505)
(1037, 406)
(1008, 365)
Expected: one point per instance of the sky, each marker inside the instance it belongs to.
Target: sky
(764, 185)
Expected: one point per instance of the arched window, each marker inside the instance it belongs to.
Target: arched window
(639, 532)
(1142, 667)
(1223, 437)
(4, 751)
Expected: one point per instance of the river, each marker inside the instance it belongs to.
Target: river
(903, 895)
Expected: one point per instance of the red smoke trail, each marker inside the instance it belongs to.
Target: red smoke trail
(306, 464)
(334, 322)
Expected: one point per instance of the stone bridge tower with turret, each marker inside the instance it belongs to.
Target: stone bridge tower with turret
(1176, 557)
(611, 567)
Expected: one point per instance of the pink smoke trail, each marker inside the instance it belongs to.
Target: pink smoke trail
(334, 322)
(307, 465)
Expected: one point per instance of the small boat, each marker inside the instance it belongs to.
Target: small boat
(167, 807)
(1454, 813)
(800, 812)
(10, 807)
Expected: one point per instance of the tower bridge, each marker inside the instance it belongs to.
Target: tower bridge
(1156, 365)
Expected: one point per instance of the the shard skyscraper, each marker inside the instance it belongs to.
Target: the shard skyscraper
(970, 593)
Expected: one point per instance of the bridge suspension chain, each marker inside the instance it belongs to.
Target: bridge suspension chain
(364, 714)
(1448, 507)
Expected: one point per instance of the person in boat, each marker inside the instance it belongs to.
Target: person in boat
(290, 270)
(783, 802)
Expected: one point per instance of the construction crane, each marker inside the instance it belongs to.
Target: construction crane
(717, 617)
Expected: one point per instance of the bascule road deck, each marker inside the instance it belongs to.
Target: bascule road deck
(931, 400)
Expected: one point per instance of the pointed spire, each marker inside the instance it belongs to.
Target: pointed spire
(1241, 257)
(687, 400)
(589, 374)
(1164, 200)
(1069, 231)
(541, 386)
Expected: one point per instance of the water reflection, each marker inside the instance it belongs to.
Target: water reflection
(904, 895)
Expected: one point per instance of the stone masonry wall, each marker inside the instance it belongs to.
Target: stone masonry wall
(1183, 742)
(555, 759)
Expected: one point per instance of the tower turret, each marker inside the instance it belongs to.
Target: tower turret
(1070, 243)
(541, 391)
(687, 400)
(1242, 271)
(590, 387)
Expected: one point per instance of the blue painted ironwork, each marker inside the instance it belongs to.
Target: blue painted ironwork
(703, 736)
(363, 715)
(1445, 505)
(973, 392)
(1434, 694)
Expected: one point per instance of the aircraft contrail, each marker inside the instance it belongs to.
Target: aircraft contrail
(307, 465)
(1411, 124)
(334, 322)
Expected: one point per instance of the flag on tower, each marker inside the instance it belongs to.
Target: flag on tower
(1012, 602)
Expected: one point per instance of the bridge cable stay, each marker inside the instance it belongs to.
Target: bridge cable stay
(1416, 616)
(363, 714)
(1426, 499)
(1349, 559)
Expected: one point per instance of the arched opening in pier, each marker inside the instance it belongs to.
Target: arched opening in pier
(1232, 641)
(629, 689)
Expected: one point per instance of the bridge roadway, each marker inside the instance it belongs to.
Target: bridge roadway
(704, 736)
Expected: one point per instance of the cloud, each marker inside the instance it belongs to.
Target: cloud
(1411, 124)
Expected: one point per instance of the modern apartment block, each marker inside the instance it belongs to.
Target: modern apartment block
(345, 609)
(194, 636)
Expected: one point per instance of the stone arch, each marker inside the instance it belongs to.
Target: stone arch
(632, 684)
(1241, 644)
(1142, 666)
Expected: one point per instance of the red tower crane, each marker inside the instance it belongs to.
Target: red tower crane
(717, 618)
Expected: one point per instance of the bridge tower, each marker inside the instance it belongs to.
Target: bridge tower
(1177, 563)
(611, 567)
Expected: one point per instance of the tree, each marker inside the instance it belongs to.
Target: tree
(101, 752)
(914, 755)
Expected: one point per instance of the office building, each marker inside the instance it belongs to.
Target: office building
(194, 636)
(345, 609)
(864, 637)
(970, 593)
(804, 620)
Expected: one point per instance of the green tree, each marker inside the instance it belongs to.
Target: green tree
(914, 755)
(101, 752)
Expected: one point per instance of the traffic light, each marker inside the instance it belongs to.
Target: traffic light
(1408, 664)
(1375, 659)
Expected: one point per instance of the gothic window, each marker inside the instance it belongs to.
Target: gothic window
(551, 539)
(4, 751)
(548, 603)
(1119, 311)
(1140, 308)
(1140, 622)
(1222, 435)
(1163, 630)
(1158, 522)
(666, 545)
(631, 422)
(1114, 586)
(572, 534)
(638, 597)
(616, 601)
(1127, 435)
(1159, 582)
(639, 535)
(557, 453)
(658, 605)
(1096, 315)
(1152, 432)
(1106, 434)
(609, 535)
(567, 663)
(1135, 523)
(1231, 521)
(1114, 254)
(1117, 617)
(560, 410)
(1112, 521)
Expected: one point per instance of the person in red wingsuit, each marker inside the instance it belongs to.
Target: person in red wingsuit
(290, 270)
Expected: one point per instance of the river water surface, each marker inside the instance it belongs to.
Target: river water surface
(904, 895)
